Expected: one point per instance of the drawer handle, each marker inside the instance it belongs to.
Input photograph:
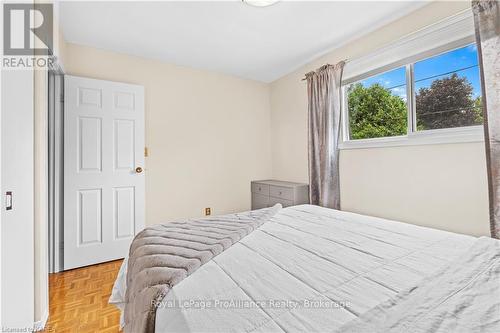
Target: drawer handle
(281, 193)
(260, 189)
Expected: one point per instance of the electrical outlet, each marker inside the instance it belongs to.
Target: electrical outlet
(208, 211)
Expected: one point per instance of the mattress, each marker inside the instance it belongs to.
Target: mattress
(308, 269)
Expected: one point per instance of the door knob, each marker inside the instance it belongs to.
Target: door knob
(138, 170)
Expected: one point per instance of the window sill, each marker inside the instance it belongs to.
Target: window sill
(431, 137)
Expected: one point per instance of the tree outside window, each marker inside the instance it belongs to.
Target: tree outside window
(447, 95)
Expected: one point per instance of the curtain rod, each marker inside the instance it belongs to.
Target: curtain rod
(344, 61)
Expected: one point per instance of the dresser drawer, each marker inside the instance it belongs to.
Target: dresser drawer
(281, 192)
(268, 192)
(283, 202)
(259, 201)
(260, 188)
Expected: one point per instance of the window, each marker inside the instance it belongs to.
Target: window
(447, 90)
(444, 93)
(377, 106)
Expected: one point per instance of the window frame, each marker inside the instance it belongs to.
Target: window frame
(473, 133)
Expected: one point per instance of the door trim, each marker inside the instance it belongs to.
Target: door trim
(56, 171)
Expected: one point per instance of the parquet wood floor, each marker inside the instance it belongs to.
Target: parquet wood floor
(78, 300)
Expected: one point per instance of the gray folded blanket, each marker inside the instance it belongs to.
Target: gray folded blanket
(163, 255)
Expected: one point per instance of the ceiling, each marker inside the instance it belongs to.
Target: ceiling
(259, 43)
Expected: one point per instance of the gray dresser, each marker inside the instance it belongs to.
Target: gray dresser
(267, 193)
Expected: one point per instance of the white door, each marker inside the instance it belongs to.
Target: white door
(103, 169)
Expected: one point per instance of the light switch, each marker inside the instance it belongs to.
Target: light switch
(8, 200)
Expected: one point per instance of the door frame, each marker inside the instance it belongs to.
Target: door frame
(56, 169)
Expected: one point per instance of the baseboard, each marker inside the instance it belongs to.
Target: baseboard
(40, 325)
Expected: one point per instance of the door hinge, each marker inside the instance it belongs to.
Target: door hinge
(146, 152)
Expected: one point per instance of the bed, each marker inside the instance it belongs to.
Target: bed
(313, 269)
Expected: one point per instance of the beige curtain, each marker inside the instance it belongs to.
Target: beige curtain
(487, 23)
(323, 89)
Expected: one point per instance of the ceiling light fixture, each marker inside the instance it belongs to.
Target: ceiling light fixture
(260, 3)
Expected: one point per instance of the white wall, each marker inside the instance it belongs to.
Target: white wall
(17, 176)
(439, 186)
(442, 186)
(208, 134)
(1, 187)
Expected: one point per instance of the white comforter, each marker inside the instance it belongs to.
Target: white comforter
(307, 269)
(462, 297)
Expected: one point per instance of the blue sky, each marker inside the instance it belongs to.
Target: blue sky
(441, 64)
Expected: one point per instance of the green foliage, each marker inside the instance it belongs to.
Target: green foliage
(375, 112)
(478, 110)
(447, 103)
